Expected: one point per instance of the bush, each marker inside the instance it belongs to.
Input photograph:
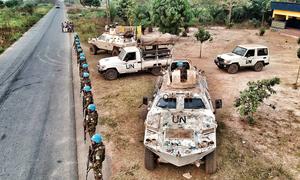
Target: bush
(256, 23)
(298, 41)
(262, 31)
(12, 3)
(252, 97)
(28, 8)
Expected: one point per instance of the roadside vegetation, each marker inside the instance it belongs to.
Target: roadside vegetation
(16, 17)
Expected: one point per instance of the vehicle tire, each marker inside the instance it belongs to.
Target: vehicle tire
(115, 51)
(111, 74)
(150, 160)
(233, 68)
(258, 66)
(211, 163)
(156, 71)
(93, 49)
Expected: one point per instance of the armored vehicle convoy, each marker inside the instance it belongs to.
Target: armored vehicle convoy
(180, 126)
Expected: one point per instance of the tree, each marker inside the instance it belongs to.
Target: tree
(96, 3)
(229, 5)
(143, 16)
(260, 8)
(12, 3)
(169, 15)
(202, 35)
(1, 4)
(125, 10)
(112, 10)
(28, 8)
(252, 97)
(86, 2)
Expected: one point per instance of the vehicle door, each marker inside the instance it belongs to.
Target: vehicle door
(249, 58)
(101, 41)
(132, 62)
(263, 55)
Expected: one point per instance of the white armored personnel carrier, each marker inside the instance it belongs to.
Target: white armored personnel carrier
(180, 127)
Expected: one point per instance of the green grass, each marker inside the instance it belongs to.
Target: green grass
(88, 22)
(14, 22)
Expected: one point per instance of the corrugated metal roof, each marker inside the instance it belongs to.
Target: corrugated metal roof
(285, 6)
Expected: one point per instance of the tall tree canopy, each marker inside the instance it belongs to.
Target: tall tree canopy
(170, 15)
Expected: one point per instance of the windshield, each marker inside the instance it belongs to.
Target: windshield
(167, 103)
(122, 54)
(239, 51)
(193, 103)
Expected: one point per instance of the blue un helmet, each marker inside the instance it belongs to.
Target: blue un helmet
(85, 75)
(79, 49)
(92, 107)
(97, 138)
(82, 54)
(82, 58)
(87, 89)
(85, 66)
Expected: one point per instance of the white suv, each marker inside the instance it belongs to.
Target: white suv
(250, 55)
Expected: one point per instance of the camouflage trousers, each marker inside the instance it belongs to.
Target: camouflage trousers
(98, 172)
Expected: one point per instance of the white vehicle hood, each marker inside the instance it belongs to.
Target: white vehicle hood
(110, 61)
(229, 56)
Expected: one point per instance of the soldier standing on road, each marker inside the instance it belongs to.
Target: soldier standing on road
(81, 59)
(96, 156)
(87, 98)
(85, 81)
(91, 120)
(78, 51)
(84, 69)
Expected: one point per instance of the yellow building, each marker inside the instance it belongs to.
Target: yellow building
(285, 15)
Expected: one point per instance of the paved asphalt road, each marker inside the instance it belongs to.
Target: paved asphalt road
(37, 127)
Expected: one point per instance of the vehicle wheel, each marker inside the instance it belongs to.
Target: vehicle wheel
(233, 68)
(115, 52)
(156, 71)
(93, 49)
(111, 74)
(150, 160)
(211, 163)
(258, 66)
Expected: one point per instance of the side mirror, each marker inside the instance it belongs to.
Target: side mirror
(218, 103)
(145, 100)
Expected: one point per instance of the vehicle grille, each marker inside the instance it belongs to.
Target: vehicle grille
(220, 59)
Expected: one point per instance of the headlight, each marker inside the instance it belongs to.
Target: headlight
(227, 61)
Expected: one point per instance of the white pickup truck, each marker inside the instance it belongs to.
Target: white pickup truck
(248, 55)
(135, 59)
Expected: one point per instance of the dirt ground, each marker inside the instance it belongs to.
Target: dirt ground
(268, 150)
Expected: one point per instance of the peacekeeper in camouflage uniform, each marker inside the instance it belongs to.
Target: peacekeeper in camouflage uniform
(84, 69)
(85, 80)
(96, 156)
(91, 119)
(81, 59)
(87, 99)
